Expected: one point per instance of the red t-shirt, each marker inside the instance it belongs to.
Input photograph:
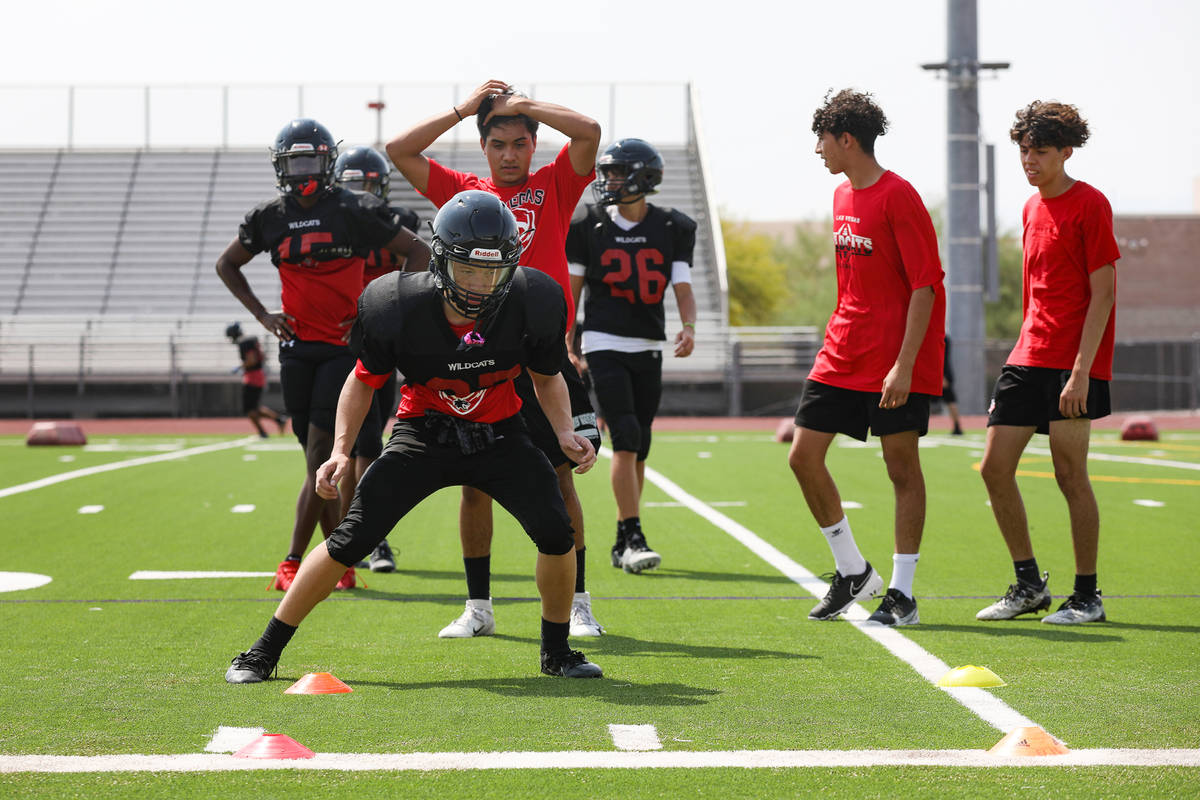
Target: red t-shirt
(1064, 240)
(886, 248)
(543, 206)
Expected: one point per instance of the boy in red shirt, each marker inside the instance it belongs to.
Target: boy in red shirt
(1056, 378)
(882, 357)
(542, 202)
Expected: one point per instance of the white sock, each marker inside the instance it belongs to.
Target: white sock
(845, 552)
(904, 567)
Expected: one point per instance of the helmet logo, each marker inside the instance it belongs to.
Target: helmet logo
(302, 147)
(485, 254)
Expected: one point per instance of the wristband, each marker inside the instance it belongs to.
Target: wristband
(460, 117)
(691, 325)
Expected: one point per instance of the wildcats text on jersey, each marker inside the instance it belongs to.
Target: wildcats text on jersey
(304, 223)
(847, 243)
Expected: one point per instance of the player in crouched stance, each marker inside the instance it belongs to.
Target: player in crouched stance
(459, 334)
(1056, 378)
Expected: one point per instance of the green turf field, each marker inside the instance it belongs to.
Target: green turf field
(713, 649)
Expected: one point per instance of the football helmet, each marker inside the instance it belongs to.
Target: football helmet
(364, 170)
(476, 247)
(233, 332)
(626, 170)
(303, 156)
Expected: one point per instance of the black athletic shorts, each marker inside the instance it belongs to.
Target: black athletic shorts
(540, 430)
(251, 395)
(414, 465)
(1028, 396)
(312, 375)
(628, 388)
(831, 409)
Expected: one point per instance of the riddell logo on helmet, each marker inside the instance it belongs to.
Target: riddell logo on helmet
(485, 254)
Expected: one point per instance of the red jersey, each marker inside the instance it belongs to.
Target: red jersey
(543, 206)
(886, 248)
(1064, 240)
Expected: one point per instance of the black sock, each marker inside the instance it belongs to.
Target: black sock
(274, 638)
(628, 526)
(479, 577)
(292, 557)
(554, 636)
(580, 570)
(1085, 585)
(1027, 572)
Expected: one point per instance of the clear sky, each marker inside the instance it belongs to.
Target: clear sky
(760, 66)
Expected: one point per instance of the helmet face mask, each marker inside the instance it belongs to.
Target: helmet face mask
(363, 169)
(303, 157)
(476, 248)
(627, 171)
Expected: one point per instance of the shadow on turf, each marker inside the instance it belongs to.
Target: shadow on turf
(1093, 632)
(615, 690)
(608, 644)
(715, 577)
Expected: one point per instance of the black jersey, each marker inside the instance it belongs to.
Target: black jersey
(249, 346)
(382, 261)
(319, 252)
(402, 325)
(628, 271)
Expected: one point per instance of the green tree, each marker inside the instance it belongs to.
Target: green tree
(756, 277)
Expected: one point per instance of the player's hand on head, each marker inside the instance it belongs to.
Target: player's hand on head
(487, 89)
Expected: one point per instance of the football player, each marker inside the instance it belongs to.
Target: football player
(318, 235)
(1055, 381)
(626, 251)
(364, 169)
(459, 334)
(542, 202)
(881, 361)
(254, 380)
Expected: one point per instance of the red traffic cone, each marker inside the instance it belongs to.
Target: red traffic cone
(1029, 741)
(318, 683)
(274, 745)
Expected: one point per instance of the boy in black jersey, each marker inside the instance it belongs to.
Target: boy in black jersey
(626, 251)
(460, 335)
(318, 235)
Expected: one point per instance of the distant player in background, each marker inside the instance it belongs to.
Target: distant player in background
(1056, 378)
(542, 202)
(626, 251)
(364, 169)
(318, 235)
(254, 380)
(881, 362)
(949, 398)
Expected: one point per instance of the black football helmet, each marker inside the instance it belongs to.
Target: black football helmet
(303, 156)
(626, 170)
(476, 247)
(364, 170)
(233, 332)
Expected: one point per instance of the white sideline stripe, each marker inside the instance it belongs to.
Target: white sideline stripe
(987, 707)
(167, 575)
(661, 759)
(230, 740)
(1045, 451)
(634, 737)
(133, 462)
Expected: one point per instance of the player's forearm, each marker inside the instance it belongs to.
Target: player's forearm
(685, 299)
(920, 309)
(572, 124)
(1096, 319)
(239, 287)
(352, 407)
(551, 391)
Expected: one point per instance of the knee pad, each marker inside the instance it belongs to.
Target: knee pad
(644, 451)
(556, 543)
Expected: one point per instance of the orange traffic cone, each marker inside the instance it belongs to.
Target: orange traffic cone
(318, 683)
(1029, 741)
(274, 745)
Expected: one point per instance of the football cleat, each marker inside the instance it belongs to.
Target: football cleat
(637, 555)
(252, 666)
(476, 620)
(1021, 598)
(570, 664)
(285, 573)
(582, 621)
(348, 580)
(1078, 608)
(381, 558)
(844, 591)
(896, 608)
(617, 550)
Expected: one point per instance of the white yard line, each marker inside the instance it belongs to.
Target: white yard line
(987, 707)
(133, 462)
(634, 737)
(661, 759)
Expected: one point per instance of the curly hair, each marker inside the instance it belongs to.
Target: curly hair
(1050, 124)
(854, 113)
(485, 108)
